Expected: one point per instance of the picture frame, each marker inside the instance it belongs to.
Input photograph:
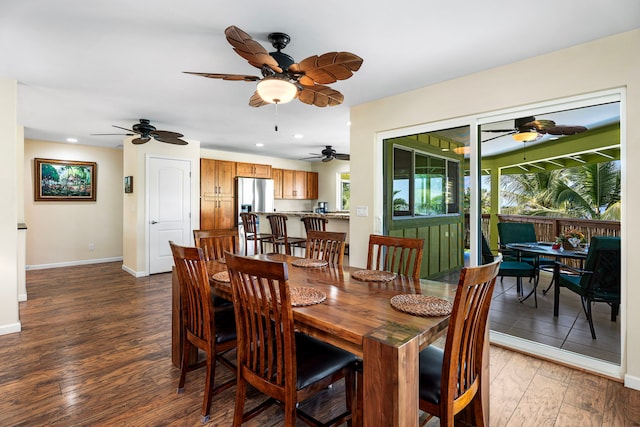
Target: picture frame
(64, 180)
(128, 184)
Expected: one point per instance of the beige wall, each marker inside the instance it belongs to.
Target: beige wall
(328, 180)
(59, 233)
(9, 316)
(603, 64)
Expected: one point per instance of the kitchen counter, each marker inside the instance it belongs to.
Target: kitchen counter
(329, 215)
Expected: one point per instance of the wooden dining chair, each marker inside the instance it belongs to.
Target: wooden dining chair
(250, 225)
(451, 378)
(287, 366)
(326, 245)
(402, 255)
(203, 327)
(314, 222)
(280, 237)
(214, 243)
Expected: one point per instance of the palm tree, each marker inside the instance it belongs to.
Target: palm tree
(589, 191)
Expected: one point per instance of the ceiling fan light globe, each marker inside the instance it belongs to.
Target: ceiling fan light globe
(526, 136)
(276, 90)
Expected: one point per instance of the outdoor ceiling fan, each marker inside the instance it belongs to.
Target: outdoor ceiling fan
(147, 131)
(328, 154)
(527, 129)
(282, 78)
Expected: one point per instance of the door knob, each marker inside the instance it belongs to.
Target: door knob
(154, 222)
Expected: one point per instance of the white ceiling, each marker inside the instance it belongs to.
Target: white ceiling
(84, 66)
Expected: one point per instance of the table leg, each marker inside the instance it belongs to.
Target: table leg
(390, 382)
(556, 288)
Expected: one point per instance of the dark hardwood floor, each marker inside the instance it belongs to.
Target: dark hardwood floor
(95, 350)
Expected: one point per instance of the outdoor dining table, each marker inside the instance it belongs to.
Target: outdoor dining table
(357, 316)
(546, 249)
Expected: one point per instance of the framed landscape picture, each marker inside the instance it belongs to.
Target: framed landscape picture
(64, 180)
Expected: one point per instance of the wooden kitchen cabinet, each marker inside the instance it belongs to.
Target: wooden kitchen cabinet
(217, 201)
(294, 184)
(276, 175)
(253, 170)
(312, 185)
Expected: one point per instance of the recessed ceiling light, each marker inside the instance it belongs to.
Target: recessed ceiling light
(72, 139)
(259, 144)
(298, 136)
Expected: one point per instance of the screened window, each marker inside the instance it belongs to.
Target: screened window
(423, 185)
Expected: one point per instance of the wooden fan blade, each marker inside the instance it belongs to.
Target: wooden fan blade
(256, 100)
(327, 68)
(176, 141)
(165, 134)
(341, 156)
(320, 96)
(565, 130)
(540, 125)
(233, 77)
(138, 141)
(113, 134)
(249, 49)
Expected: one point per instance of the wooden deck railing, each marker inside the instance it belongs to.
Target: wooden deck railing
(548, 228)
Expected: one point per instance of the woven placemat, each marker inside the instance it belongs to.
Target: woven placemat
(221, 276)
(374, 275)
(421, 305)
(306, 262)
(301, 296)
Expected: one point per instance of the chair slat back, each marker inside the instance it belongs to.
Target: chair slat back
(214, 243)
(278, 224)
(464, 344)
(249, 222)
(314, 223)
(195, 292)
(264, 322)
(326, 245)
(402, 255)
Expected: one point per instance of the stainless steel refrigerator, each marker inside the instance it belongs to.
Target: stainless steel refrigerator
(252, 195)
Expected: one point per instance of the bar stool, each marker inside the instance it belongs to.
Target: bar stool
(250, 224)
(278, 224)
(313, 222)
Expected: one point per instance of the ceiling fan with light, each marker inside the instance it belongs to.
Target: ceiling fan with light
(328, 154)
(282, 78)
(147, 131)
(527, 129)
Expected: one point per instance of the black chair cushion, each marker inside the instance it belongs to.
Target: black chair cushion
(316, 359)
(430, 374)
(225, 322)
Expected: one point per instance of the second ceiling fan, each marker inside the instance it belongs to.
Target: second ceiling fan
(328, 154)
(282, 78)
(527, 129)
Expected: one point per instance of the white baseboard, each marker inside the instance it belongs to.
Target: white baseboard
(134, 273)
(632, 382)
(22, 297)
(11, 328)
(73, 263)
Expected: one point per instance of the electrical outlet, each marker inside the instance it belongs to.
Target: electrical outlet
(362, 211)
(92, 247)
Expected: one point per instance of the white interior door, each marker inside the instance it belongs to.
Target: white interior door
(169, 210)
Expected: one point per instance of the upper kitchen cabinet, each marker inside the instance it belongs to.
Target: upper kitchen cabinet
(253, 170)
(276, 175)
(294, 184)
(216, 194)
(312, 185)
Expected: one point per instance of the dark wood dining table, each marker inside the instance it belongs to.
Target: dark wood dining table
(357, 316)
(546, 249)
